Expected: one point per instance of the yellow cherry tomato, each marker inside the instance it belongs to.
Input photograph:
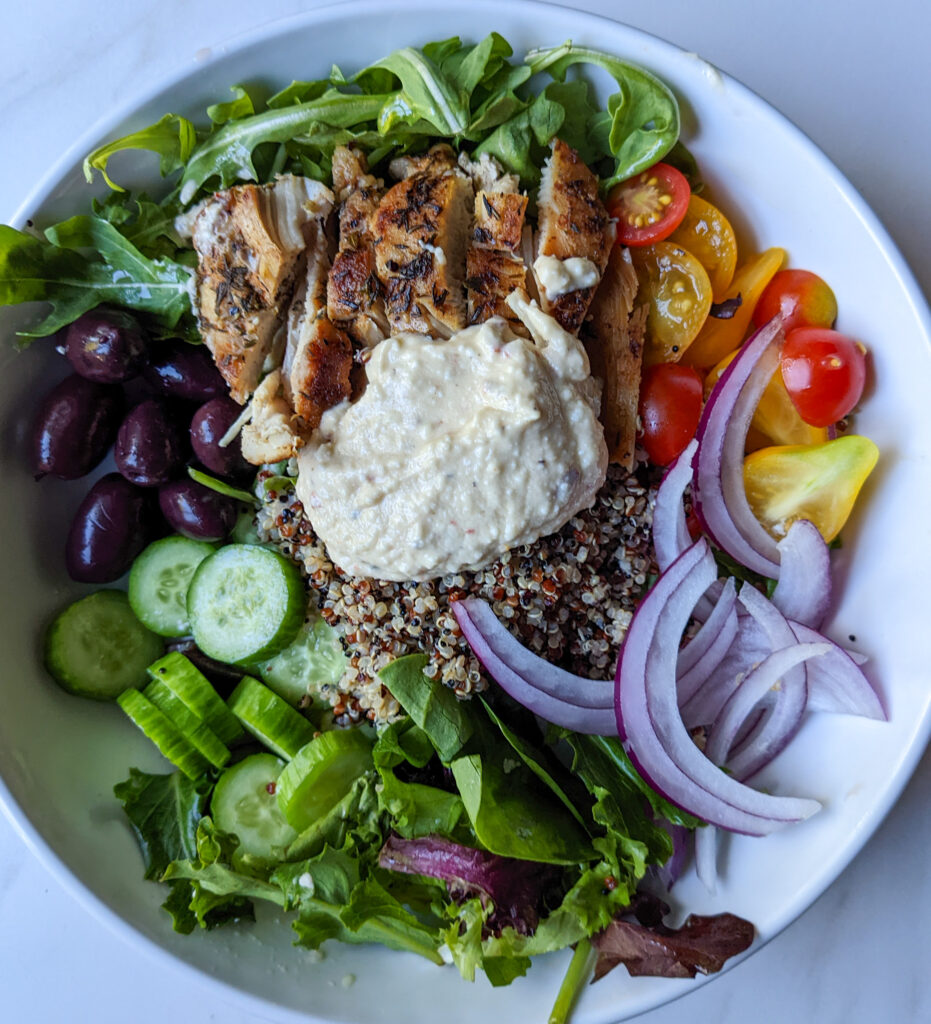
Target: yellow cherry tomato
(707, 234)
(817, 482)
(719, 336)
(678, 291)
(776, 420)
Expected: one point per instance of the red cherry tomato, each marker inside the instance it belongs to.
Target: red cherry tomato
(670, 407)
(824, 373)
(649, 206)
(803, 299)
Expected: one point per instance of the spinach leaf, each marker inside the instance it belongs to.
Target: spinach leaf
(430, 704)
(172, 137)
(512, 813)
(537, 761)
(164, 811)
(402, 741)
(643, 115)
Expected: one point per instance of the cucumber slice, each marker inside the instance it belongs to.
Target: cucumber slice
(162, 733)
(269, 718)
(192, 727)
(246, 603)
(97, 648)
(244, 803)
(321, 774)
(159, 581)
(193, 689)
(314, 659)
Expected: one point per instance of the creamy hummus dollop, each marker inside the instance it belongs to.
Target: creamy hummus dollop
(457, 450)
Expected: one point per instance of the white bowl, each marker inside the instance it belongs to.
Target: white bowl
(59, 757)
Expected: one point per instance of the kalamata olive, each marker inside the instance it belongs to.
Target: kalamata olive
(210, 423)
(76, 424)
(179, 370)
(111, 526)
(151, 445)
(196, 511)
(106, 346)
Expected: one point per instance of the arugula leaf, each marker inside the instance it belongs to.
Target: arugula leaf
(149, 226)
(298, 92)
(63, 272)
(426, 94)
(470, 66)
(172, 137)
(643, 115)
(430, 704)
(511, 143)
(227, 154)
(240, 106)
(164, 811)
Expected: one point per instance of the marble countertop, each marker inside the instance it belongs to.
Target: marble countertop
(854, 77)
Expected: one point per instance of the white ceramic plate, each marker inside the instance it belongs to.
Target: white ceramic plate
(60, 757)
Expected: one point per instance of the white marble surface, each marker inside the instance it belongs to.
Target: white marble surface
(855, 77)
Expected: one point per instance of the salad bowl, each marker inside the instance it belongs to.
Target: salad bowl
(59, 758)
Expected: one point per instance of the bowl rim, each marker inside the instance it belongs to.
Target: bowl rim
(262, 33)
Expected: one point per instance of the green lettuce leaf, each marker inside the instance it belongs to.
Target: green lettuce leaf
(172, 137)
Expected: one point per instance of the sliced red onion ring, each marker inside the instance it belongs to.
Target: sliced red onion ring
(706, 857)
(836, 683)
(670, 532)
(777, 728)
(803, 592)
(648, 717)
(718, 493)
(550, 692)
(707, 649)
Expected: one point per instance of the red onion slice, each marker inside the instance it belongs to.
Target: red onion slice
(550, 692)
(803, 592)
(670, 532)
(836, 683)
(718, 492)
(648, 716)
(707, 649)
(706, 857)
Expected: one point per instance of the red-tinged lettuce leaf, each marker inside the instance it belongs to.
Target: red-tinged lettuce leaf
(647, 947)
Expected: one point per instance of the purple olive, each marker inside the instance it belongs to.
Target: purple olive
(210, 423)
(76, 424)
(111, 526)
(105, 346)
(178, 370)
(151, 445)
(196, 511)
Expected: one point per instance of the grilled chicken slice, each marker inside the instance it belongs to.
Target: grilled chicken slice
(487, 174)
(271, 434)
(573, 224)
(613, 339)
(422, 231)
(439, 159)
(494, 267)
(355, 301)
(250, 243)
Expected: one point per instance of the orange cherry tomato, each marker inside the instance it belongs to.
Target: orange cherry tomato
(803, 299)
(649, 206)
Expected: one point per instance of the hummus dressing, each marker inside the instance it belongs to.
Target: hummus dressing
(457, 450)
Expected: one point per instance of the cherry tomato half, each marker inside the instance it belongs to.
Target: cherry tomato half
(670, 408)
(649, 206)
(824, 373)
(707, 234)
(803, 299)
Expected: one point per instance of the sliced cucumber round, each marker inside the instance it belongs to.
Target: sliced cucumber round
(246, 603)
(315, 658)
(194, 690)
(321, 774)
(272, 721)
(98, 648)
(166, 736)
(159, 581)
(192, 727)
(244, 802)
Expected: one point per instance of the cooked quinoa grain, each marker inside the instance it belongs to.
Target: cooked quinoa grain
(569, 597)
